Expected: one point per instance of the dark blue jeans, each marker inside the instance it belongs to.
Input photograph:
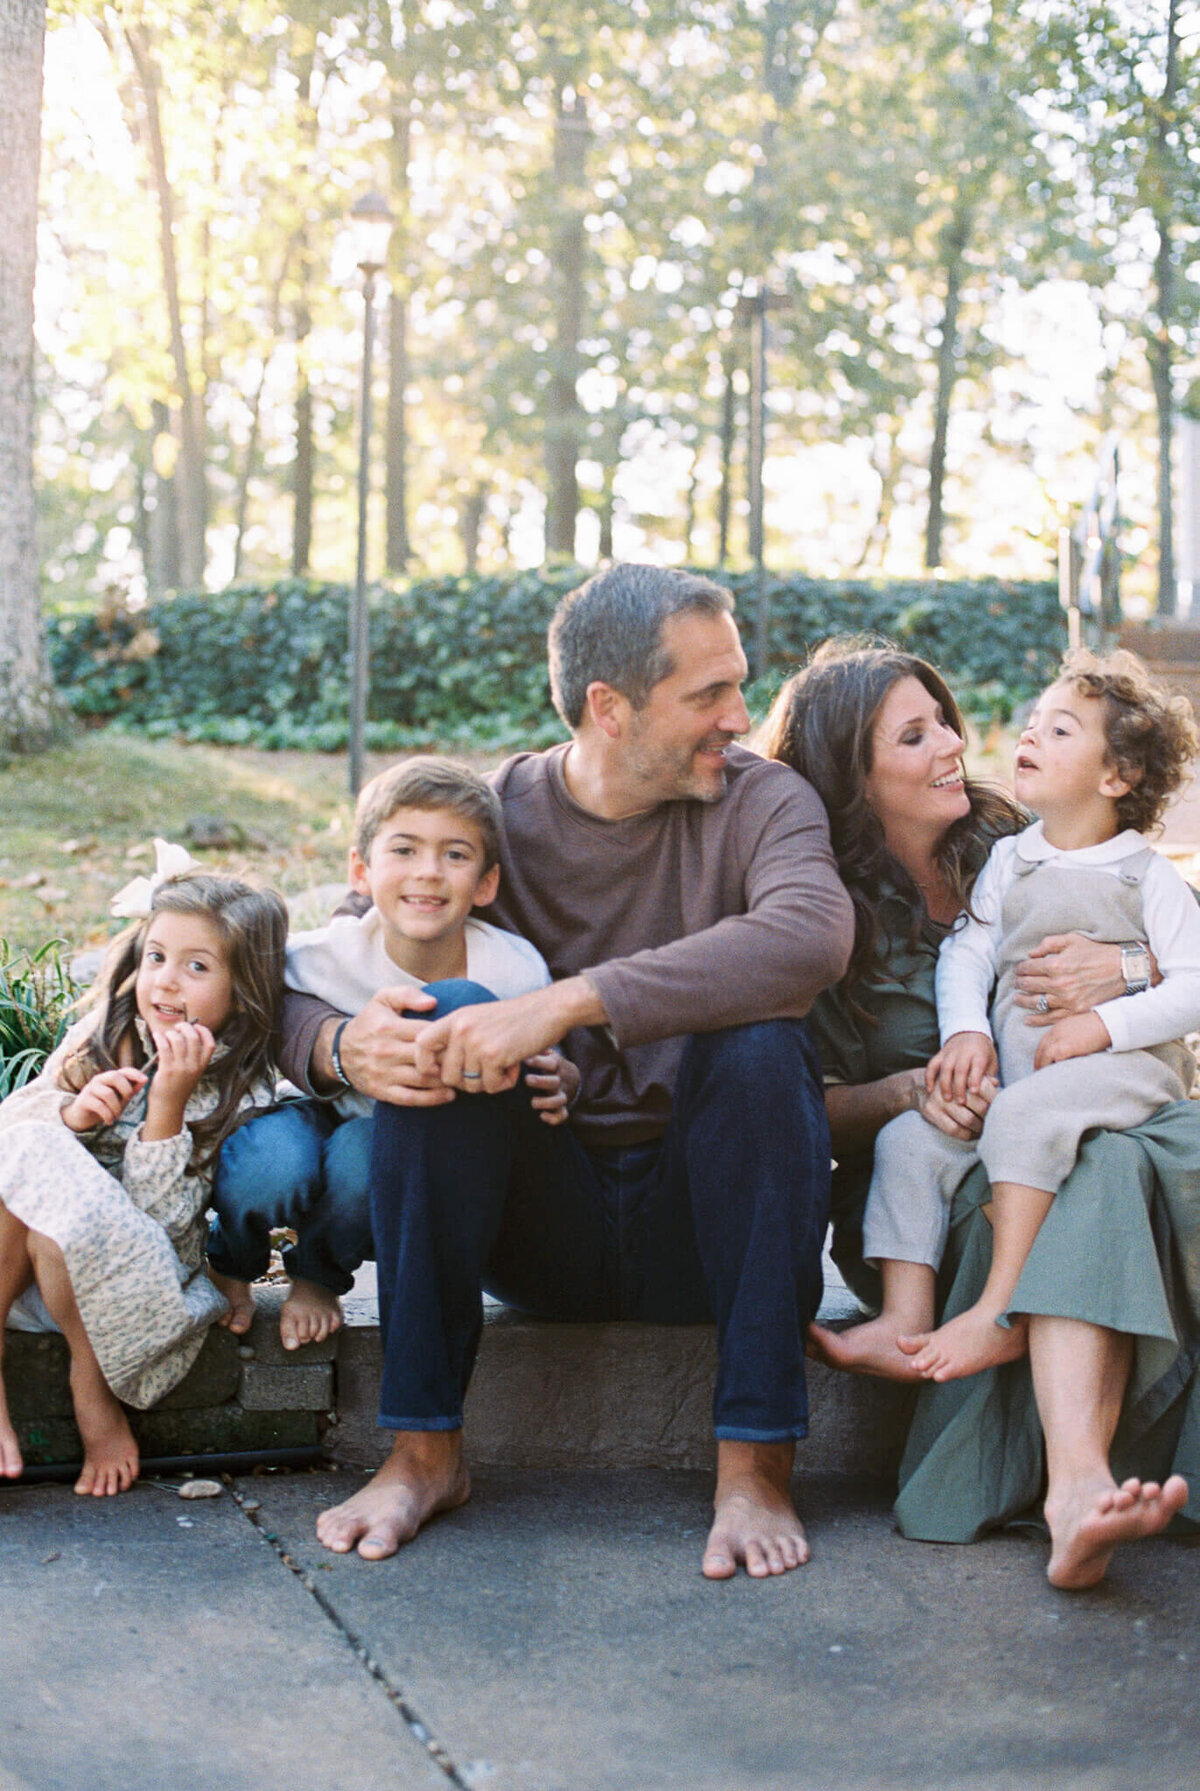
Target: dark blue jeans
(722, 1218)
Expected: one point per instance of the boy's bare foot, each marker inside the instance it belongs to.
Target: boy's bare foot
(755, 1522)
(966, 1345)
(240, 1316)
(311, 1313)
(425, 1474)
(864, 1349)
(1089, 1521)
(110, 1454)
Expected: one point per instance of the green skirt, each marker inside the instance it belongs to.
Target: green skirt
(1120, 1248)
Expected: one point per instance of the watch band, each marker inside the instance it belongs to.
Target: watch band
(1135, 967)
(335, 1051)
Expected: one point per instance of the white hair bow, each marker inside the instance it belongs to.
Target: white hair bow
(134, 901)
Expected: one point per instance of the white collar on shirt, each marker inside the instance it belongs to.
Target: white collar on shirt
(1033, 846)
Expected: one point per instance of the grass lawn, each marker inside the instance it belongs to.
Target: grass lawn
(76, 824)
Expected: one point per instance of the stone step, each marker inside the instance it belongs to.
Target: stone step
(550, 1395)
(544, 1395)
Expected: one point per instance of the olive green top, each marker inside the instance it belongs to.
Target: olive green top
(890, 1025)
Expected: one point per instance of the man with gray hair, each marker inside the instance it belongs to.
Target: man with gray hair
(685, 896)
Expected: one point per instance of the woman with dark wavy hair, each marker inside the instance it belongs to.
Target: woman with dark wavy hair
(1115, 1309)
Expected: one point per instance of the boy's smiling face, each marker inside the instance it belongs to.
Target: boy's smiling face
(425, 872)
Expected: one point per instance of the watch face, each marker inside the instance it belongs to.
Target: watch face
(1135, 968)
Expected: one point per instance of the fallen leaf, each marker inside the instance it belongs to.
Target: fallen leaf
(201, 1489)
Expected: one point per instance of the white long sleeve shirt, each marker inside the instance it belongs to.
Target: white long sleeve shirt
(968, 960)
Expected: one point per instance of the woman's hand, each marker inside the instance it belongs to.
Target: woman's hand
(1068, 974)
(958, 1119)
(102, 1100)
(557, 1080)
(184, 1053)
(1078, 1035)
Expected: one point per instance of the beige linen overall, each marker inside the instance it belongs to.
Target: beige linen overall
(1033, 1128)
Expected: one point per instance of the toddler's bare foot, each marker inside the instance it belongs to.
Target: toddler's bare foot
(864, 1349)
(110, 1454)
(311, 1313)
(755, 1522)
(240, 1316)
(425, 1474)
(966, 1345)
(1090, 1519)
(10, 1449)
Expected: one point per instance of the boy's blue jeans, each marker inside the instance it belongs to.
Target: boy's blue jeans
(723, 1218)
(304, 1167)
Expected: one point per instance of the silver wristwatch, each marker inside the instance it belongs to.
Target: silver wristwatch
(1135, 967)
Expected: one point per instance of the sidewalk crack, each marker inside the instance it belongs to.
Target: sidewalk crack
(418, 1729)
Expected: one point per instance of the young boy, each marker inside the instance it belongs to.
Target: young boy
(1101, 754)
(426, 850)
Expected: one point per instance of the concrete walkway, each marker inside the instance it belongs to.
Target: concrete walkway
(556, 1636)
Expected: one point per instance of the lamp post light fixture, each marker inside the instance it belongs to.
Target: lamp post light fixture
(371, 228)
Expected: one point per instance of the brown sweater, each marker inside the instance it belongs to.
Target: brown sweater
(691, 917)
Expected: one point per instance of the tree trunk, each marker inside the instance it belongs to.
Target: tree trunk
(1159, 345)
(472, 511)
(728, 437)
(162, 564)
(399, 546)
(954, 242)
(251, 456)
(190, 476)
(304, 459)
(564, 418)
(27, 708)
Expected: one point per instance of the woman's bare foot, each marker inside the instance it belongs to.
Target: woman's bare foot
(1092, 1518)
(10, 1449)
(966, 1345)
(425, 1474)
(311, 1313)
(864, 1349)
(755, 1522)
(240, 1316)
(110, 1454)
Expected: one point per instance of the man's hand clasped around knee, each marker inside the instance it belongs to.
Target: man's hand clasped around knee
(377, 1049)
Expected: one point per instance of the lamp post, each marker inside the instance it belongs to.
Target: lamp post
(371, 229)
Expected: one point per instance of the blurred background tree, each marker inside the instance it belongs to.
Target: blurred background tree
(979, 222)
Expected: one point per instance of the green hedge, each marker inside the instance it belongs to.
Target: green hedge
(462, 660)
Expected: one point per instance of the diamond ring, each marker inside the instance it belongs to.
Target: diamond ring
(1043, 1004)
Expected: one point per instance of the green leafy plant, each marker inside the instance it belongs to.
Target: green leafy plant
(36, 997)
(461, 661)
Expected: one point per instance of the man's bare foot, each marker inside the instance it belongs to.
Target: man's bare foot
(966, 1345)
(1089, 1521)
(425, 1474)
(240, 1316)
(110, 1454)
(311, 1313)
(10, 1449)
(864, 1349)
(755, 1522)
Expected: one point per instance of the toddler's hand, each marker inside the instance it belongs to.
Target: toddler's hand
(102, 1100)
(1077, 1035)
(961, 1065)
(558, 1079)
